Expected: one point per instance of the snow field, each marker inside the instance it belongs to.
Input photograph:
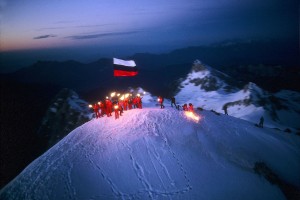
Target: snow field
(154, 153)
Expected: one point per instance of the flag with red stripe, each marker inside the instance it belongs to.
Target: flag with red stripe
(124, 67)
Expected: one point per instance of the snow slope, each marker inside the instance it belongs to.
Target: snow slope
(154, 153)
(210, 89)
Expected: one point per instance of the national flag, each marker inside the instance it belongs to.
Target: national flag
(124, 67)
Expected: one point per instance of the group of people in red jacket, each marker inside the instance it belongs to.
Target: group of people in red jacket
(116, 104)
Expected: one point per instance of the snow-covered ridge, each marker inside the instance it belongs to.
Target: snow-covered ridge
(154, 153)
(210, 89)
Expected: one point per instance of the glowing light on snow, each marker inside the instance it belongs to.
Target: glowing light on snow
(144, 92)
(192, 116)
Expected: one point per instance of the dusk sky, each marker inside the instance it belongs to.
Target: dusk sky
(95, 28)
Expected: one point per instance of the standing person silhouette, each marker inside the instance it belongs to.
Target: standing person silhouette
(261, 122)
(173, 102)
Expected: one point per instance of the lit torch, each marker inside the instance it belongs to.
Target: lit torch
(112, 94)
(192, 115)
(116, 107)
(90, 106)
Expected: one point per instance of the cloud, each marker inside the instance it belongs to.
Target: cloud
(66, 27)
(100, 35)
(50, 28)
(43, 37)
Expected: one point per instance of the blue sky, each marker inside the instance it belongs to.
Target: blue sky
(100, 27)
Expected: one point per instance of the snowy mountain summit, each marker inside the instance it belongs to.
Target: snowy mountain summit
(211, 89)
(154, 153)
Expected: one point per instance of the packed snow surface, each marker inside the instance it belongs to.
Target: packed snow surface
(154, 153)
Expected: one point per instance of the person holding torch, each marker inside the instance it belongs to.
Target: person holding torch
(161, 101)
(116, 108)
(95, 107)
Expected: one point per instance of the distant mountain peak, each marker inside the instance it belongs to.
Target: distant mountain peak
(211, 89)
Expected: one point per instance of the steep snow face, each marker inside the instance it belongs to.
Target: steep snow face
(212, 90)
(154, 153)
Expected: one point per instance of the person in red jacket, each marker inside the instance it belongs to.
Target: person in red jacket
(161, 102)
(108, 105)
(96, 110)
(125, 103)
(102, 108)
(134, 102)
(139, 102)
(116, 109)
(184, 107)
(191, 107)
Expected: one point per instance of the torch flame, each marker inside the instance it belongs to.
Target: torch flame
(112, 94)
(192, 115)
(90, 106)
(116, 107)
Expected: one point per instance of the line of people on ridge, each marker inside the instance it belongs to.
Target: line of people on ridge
(185, 107)
(118, 105)
(190, 107)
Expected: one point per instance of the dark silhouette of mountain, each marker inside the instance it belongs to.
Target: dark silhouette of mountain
(160, 73)
(23, 106)
(228, 54)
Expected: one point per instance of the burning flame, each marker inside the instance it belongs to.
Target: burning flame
(90, 106)
(192, 115)
(112, 94)
(116, 107)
